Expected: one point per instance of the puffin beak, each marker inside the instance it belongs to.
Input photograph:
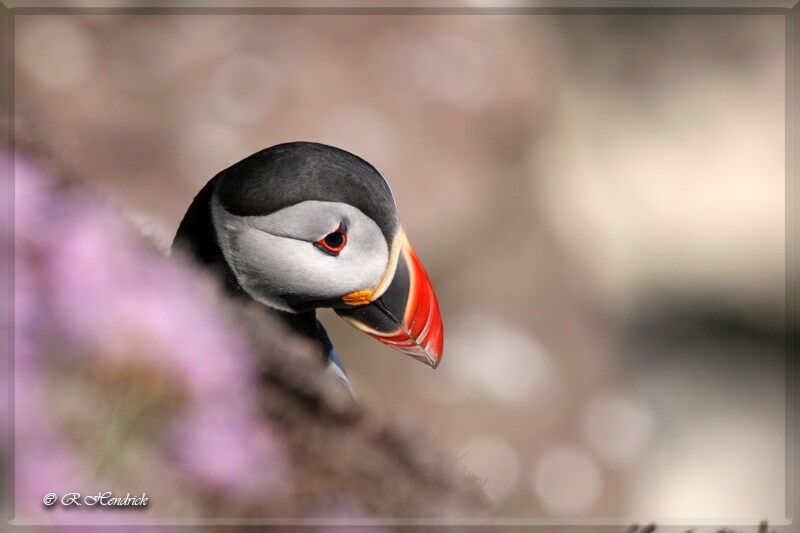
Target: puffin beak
(402, 312)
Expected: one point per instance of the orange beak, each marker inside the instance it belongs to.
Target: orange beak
(406, 314)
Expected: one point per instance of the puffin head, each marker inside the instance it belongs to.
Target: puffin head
(304, 225)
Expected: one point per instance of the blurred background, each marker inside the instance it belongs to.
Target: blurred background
(599, 200)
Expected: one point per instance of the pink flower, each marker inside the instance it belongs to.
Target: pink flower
(220, 446)
(89, 292)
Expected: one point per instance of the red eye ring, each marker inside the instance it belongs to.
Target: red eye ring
(333, 243)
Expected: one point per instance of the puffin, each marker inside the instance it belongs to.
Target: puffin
(301, 226)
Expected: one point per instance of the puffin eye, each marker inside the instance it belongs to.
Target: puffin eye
(333, 242)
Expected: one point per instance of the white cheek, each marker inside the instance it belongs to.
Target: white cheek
(268, 266)
(290, 266)
(365, 257)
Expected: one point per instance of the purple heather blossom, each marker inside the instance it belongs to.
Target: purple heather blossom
(43, 460)
(87, 285)
(222, 448)
(133, 299)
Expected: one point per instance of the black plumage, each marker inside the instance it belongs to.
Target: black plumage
(290, 173)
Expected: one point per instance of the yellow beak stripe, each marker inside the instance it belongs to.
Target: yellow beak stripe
(357, 298)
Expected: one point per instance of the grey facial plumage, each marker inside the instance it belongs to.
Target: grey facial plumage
(275, 261)
(265, 213)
